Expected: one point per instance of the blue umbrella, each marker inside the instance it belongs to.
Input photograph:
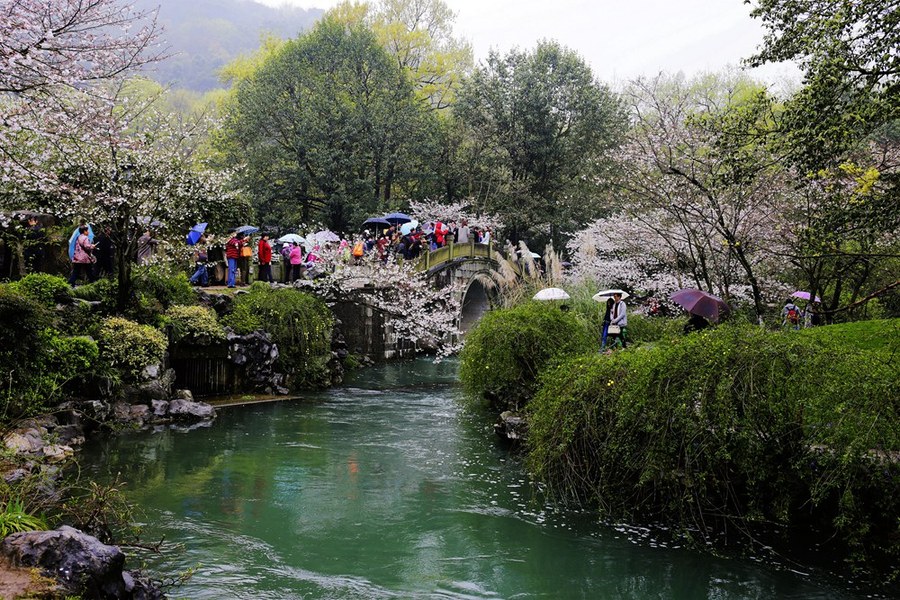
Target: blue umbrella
(396, 218)
(246, 229)
(74, 238)
(377, 221)
(195, 233)
(406, 228)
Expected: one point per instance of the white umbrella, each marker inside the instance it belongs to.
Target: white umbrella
(325, 236)
(292, 238)
(552, 294)
(604, 295)
(407, 227)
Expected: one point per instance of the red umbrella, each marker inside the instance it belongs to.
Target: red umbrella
(698, 302)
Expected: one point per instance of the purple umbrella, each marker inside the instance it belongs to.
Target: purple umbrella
(803, 296)
(698, 302)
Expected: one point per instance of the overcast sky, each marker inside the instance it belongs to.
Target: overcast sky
(620, 39)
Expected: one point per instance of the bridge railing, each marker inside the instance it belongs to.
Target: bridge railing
(451, 252)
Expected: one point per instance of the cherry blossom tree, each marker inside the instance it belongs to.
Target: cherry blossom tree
(78, 142)
(416, 311)
(54, 56)
(427, 210)
(699, 176)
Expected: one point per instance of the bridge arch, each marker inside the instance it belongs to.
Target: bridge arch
(462, 264)
(476, 300)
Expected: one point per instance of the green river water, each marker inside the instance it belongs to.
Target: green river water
(390, 487)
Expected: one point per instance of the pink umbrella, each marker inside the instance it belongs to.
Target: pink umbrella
(698, 302)
(803, 296)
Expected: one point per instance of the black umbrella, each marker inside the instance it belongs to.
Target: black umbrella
(377, 221)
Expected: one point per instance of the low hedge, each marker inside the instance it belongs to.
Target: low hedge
(731, 424)
(129, 347)
(44, 288)
(506, 351)
(194, 325)
(299, 323)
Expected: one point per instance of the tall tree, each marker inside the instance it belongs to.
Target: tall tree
(839, 133)
(541, 129)
(314, 129)
(74, 141)
(54, 54)
(699, 177)
(850, 56)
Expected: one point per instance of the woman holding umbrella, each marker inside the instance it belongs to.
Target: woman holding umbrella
(618, 322)
(233, 253)
(82, 257)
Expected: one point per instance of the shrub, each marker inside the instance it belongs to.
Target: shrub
(643, 329)
(729, 425)
(194, 325)
(39, 363)
(21, 321)
(300, 324)
(15, 519)
(163, 284)
(130, 347)
(505, 352)
(46, 289)
(103, 291)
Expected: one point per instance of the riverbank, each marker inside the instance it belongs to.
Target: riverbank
(724, 430)
(391, 486)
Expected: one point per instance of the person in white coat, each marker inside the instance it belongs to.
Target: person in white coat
(618, 319)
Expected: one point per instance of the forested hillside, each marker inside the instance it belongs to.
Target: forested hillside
(203, 35)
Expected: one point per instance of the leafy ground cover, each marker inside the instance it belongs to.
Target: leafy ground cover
(735, 427)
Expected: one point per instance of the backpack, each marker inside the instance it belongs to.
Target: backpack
(358, 249)
(793, 315)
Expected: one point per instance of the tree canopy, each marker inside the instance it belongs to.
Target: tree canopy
(539, 129)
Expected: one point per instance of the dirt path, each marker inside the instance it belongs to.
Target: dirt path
(16, 582)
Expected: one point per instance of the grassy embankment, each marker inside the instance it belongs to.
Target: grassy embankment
(735, 426)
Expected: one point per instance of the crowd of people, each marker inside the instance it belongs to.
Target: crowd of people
(230, 263)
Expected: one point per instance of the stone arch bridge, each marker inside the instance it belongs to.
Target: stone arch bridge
(461, 264)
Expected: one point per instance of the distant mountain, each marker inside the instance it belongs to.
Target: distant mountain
(203, 35)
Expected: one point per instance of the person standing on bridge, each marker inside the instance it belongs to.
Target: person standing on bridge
(462, 234)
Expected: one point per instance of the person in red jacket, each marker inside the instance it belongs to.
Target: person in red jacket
(233, 253)
(264, 255)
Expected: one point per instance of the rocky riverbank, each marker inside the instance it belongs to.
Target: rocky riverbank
(66, 561)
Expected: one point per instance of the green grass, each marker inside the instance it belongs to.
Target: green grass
(882, 335)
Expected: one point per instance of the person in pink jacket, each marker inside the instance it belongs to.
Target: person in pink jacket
(296, 260)
(83, 258)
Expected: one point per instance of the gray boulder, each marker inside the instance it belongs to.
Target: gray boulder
(28, 442)
(70, 435)
(159, 407)
(80, 562)
(190, 411)
(156, 384)
(511, 426)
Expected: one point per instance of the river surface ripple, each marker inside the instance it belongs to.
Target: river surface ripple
(389, 487)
